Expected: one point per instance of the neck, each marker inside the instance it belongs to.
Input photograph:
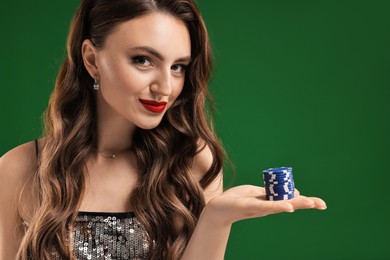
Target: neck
(115, 133)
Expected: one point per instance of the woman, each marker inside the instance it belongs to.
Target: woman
(129, 166)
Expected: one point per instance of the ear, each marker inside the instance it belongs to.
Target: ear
(88, 51)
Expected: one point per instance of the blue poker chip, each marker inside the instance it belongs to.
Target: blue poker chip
(277, 175)
(279, 183)
(280, 189)
(278, 170)
(279, 180)
(279, 197)
(282, 180)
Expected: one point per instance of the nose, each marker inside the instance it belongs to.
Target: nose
(162, 85)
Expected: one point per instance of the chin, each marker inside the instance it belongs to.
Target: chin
(149, 125)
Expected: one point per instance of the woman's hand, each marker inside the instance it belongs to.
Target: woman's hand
(247, 201)
(211, 234)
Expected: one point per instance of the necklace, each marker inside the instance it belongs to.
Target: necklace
(105, 155)
(111, 155)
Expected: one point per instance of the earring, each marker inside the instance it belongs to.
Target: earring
(96, 85)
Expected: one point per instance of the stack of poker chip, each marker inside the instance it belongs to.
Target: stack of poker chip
(278, 183)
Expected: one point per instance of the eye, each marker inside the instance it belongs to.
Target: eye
(180, 68)
(142, 61)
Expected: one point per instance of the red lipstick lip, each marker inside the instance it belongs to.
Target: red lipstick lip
(153, 106)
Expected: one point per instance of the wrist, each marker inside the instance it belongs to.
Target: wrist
(213, 214)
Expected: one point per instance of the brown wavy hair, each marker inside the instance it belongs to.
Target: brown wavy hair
(166, 190)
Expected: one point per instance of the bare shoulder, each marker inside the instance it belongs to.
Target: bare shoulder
(15, 168)
(17, 164)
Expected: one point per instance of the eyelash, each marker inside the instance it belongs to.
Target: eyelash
(137, 60)
(183, 67)
(140, 60)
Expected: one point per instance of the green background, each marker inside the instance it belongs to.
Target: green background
(297, 83)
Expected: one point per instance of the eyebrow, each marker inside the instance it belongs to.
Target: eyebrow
(159, 56)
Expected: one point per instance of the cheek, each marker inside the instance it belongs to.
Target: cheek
(178, 88)
(121, 77)
(110, 74)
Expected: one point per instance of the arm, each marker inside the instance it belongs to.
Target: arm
(211, 234)
(13, 168)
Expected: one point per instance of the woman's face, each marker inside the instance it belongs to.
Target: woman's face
(141, 67)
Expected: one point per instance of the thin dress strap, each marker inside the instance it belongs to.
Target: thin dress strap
(36, 149)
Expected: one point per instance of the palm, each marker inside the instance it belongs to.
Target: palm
(247, 201)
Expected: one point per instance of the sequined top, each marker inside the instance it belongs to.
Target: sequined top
(109, 236)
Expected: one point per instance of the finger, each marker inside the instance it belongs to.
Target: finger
(261, 208)
(246, 191)
(303, 202)
(278, 206)
(296, 192)
(319, 203)
(254, 191)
